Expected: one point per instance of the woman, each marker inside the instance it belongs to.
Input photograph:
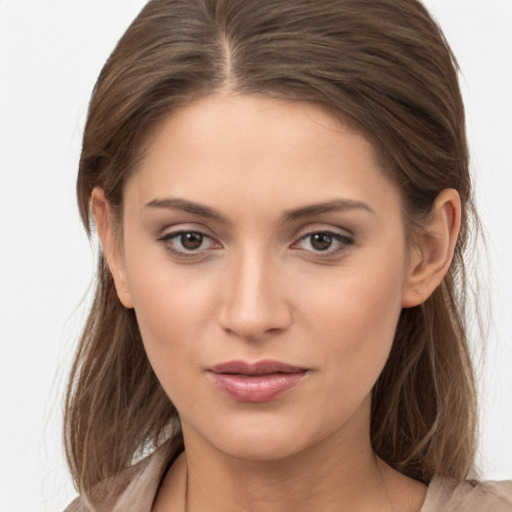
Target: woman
(282, 195)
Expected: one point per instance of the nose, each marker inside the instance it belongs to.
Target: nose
(254, 301)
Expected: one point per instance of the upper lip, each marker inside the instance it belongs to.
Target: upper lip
(257, 368)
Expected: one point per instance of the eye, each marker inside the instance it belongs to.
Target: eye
(188, 243)
(326, 242)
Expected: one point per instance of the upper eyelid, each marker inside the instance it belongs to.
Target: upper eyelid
(173, 234)
(322, 228)
(185, 227)
(171, 231)
(335, 234)
(313, 225)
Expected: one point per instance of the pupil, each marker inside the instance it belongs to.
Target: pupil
(191, 240)
(321, 241)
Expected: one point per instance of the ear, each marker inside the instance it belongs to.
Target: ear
(432, 253)
(112, 249)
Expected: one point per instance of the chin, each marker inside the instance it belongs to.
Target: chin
(264, 438)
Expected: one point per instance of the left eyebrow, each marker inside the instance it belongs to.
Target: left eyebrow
(335, 205)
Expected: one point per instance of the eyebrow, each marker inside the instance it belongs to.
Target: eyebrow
(335, 205)
(194, 208)
(170, 203)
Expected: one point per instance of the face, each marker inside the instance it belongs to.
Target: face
(264, 254)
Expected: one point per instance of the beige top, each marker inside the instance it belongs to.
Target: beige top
(135, 491)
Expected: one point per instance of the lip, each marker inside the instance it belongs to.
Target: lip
(261, 381)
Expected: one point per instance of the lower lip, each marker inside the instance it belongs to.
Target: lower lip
(255, 388)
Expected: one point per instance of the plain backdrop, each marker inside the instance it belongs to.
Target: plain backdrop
(50, 54)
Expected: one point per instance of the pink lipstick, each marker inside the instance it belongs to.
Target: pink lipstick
(255, 382)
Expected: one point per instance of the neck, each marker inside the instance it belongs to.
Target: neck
(340, 473)
(283, 486)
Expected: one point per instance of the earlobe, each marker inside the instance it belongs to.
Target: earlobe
(110, 244)
(433, 251)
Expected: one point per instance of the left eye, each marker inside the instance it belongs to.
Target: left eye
(187, 242)
(323, 241)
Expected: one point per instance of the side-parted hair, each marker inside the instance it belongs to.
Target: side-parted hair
(383, 65)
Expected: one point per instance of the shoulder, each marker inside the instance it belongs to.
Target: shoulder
(469, 496)
(134, 489)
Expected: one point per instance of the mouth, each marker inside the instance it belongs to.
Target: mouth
(255, 382)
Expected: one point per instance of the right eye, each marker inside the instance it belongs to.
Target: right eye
(187, 243)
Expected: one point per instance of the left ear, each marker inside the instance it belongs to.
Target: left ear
(433, 249)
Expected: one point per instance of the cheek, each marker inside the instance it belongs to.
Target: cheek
(355, 321)
(171, 308)
(174, 307)
(168, 322)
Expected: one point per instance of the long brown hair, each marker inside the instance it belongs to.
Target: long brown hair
(384, 65)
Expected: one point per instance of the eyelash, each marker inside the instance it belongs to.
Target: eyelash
(344, 242)
(168, 238)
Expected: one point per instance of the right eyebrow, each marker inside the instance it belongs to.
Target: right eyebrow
(171, 203)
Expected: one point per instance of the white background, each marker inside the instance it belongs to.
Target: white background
(50, 54)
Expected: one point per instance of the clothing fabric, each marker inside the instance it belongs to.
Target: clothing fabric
(136, 488)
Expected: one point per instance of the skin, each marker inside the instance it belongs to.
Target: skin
(259, 286)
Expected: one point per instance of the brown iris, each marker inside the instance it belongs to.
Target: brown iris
(191, 240)
(321, 241)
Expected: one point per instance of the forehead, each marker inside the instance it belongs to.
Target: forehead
(234, 150)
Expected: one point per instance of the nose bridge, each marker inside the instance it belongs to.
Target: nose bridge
(254, 298)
